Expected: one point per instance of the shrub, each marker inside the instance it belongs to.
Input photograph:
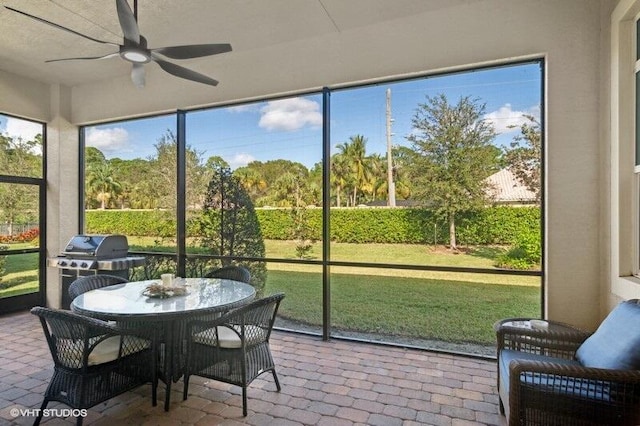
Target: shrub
(23, 237)
(229, 225)
(3, 261)
(302, 232)
(149, 223)
(493, 225)
(525, 254)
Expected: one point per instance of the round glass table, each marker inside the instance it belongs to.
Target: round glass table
(128, 303)
(127, 300)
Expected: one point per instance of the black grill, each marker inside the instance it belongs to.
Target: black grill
(90, 255)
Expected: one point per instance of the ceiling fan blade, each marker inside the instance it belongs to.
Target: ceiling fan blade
(193, 50)
(182, 72)
(60, 27)
(110, 55)
(128, 21)
(137, 75)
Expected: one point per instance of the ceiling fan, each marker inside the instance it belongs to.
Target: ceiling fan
(134, 48)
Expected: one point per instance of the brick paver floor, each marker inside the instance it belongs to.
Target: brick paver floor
(330, 383)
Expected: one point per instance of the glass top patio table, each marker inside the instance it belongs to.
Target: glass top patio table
(126, 302)
(122, 301)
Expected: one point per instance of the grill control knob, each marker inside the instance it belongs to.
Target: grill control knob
(73, 264)
(62, 262)
(83, 265)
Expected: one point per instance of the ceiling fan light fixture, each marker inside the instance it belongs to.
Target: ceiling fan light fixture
(136, 56)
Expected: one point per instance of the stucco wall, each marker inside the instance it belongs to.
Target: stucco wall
(567, 33)
(24, 97)
(52, 105)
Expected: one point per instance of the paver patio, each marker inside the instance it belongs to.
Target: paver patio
(323, 383)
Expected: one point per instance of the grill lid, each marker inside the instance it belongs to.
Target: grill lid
(97, 246)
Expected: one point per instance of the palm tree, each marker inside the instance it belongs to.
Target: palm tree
(291, 184)
(102, 182)
(354, 152)
(251, 180)
(339, 175)
(381, 181)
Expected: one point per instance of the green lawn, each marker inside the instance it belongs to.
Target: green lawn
(407, 254)
(452, 311)
(446, 306)
(21, 274)
(410, 254)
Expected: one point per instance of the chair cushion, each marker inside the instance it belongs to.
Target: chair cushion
(616, 343)
(508, 355)
(109, 348)
(228, 338)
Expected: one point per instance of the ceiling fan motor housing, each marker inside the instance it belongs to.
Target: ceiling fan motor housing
(135, 53)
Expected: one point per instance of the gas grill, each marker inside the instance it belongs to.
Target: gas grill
(93, 254)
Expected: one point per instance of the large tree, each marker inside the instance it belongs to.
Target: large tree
(259, 179)
(164, 172)
(354, 153)
(339, 176)
(138, 190)
(290, 188)
(19, 157)
(103, 184)
(452, 157)
(524, 154)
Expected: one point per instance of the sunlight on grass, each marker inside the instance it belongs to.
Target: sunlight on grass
(406, 254)
(21, 275)
(453, 311)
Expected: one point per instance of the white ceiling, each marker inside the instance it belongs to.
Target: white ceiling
(247, 24)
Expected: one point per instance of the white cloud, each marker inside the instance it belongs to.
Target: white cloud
(27, 130)
(290, 114)
(115, 139)
(506, 120)
(240, 160)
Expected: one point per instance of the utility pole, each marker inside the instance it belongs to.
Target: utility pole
(391, 186)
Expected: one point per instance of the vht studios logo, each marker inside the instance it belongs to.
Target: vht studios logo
(48, 412)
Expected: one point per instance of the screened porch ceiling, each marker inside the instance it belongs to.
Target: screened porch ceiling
(249, 25)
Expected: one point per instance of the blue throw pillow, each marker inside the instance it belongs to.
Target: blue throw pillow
(616, 343)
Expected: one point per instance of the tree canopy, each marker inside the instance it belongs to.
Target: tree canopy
(452, 157)
(19, 157)
(524, 155)
(444, 166)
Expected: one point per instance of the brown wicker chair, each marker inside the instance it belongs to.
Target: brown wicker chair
(93, 360)
(563, 376)
(92, 282)
(235, 347)
(232, 272)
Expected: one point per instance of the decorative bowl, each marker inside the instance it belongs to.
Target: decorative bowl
(160, 291)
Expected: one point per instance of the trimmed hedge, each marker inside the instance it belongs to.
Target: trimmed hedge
(152, 223)
(493, 225)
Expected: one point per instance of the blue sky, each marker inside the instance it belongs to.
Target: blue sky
(291, 128)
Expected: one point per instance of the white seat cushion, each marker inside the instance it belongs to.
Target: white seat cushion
(109, 348)
(228, 338)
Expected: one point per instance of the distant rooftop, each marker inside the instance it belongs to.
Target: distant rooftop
(507, 188)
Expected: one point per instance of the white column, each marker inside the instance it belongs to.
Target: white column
(62, 184)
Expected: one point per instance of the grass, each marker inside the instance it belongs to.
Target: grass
(452, 311)
(21, 275)
(444, 306)
(409, 254)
